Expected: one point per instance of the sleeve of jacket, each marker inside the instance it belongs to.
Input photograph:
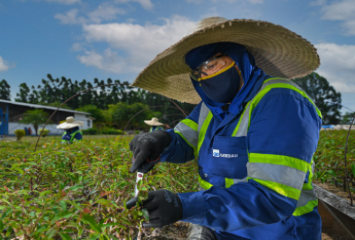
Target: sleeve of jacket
(78, 136)
(282, 137)
(182, 147)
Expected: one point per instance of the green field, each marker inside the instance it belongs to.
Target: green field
(78, 191)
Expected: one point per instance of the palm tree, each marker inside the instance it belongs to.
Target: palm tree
(35, 117)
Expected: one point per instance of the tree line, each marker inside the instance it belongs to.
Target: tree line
(111, 106)
(116, 104)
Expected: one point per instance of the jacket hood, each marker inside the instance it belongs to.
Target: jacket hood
(253, 76)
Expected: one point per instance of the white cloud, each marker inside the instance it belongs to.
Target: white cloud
(70, 17)
(194, 1)
(67, 2)
(109, 61)
(3, 65)
(140, 44)
(338, 65)
(105, 12)
(343, 10)
(146, 4)
(318, 2)
(234, 1)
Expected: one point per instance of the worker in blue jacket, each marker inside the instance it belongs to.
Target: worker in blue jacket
(253, 131)
(71, 129)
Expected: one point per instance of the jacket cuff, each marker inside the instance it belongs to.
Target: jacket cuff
(193, 207)
(165, 153)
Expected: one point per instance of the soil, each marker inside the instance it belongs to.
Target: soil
(179, 231)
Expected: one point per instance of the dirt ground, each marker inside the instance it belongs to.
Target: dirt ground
(179, 231)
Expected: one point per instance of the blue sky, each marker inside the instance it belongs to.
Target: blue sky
(87, 39)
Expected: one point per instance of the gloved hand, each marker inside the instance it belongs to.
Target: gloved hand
(164, 207)
(148, 146)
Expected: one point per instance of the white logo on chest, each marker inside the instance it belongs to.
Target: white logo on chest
(216, 153)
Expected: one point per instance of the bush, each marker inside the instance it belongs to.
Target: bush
(44, 132)
(19, 134)
(137, 132)
(112, 132)
(89, 131)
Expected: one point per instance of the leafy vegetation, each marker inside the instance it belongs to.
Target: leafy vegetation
(20, 133)
(77, 191)
(329, 157)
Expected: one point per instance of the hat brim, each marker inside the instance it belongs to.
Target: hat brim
(70, 125)
(277, 50)
(153, 123)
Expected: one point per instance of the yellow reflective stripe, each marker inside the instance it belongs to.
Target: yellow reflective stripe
(308, 186)
(280, 188)
(279, 160)
(204, 184)
(201, 136)
(228, 182)
(181, 135)
(190, 123)
(240, 120)
(306, 208)
(262, 93)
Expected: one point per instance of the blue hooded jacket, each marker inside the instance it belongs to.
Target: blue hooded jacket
(283, 123)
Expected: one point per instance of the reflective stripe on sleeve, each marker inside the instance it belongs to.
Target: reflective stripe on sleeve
(277, 173)
(204, 184)
(279, 160)
(308, 200)
(285, 175)
(280, 188)
(187, 129)
(230, 181)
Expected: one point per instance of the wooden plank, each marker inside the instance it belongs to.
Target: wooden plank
(339, 203)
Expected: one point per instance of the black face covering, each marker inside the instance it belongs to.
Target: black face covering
(223, 87)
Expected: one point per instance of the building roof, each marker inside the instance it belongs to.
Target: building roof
(42, 107)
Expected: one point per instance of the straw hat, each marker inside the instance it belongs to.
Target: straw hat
(70, 122)
(277, 50)
(153, 122)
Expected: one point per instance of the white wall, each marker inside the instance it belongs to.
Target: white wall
(82, 117)
(51, 127)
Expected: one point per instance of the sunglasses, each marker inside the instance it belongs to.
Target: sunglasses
(208, 67)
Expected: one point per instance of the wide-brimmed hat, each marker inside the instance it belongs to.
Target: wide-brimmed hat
(277, 50)
(69, 123)
(153, 122)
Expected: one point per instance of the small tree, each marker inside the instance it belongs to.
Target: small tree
(326, 98)
(347, 118)
(35, 117)
(4, 90)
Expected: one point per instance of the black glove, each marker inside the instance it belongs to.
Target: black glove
(148, 146)
(164, 207)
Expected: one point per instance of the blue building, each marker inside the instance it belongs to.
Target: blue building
(12, 112)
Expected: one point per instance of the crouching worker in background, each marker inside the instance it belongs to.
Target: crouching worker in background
(156, 125)
(72, 132)
(253, 131)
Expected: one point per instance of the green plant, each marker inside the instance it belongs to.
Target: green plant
(19, 134)
(35, 117)
(77, 191)
(44, 132)
(137, 132)
(89, 131)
